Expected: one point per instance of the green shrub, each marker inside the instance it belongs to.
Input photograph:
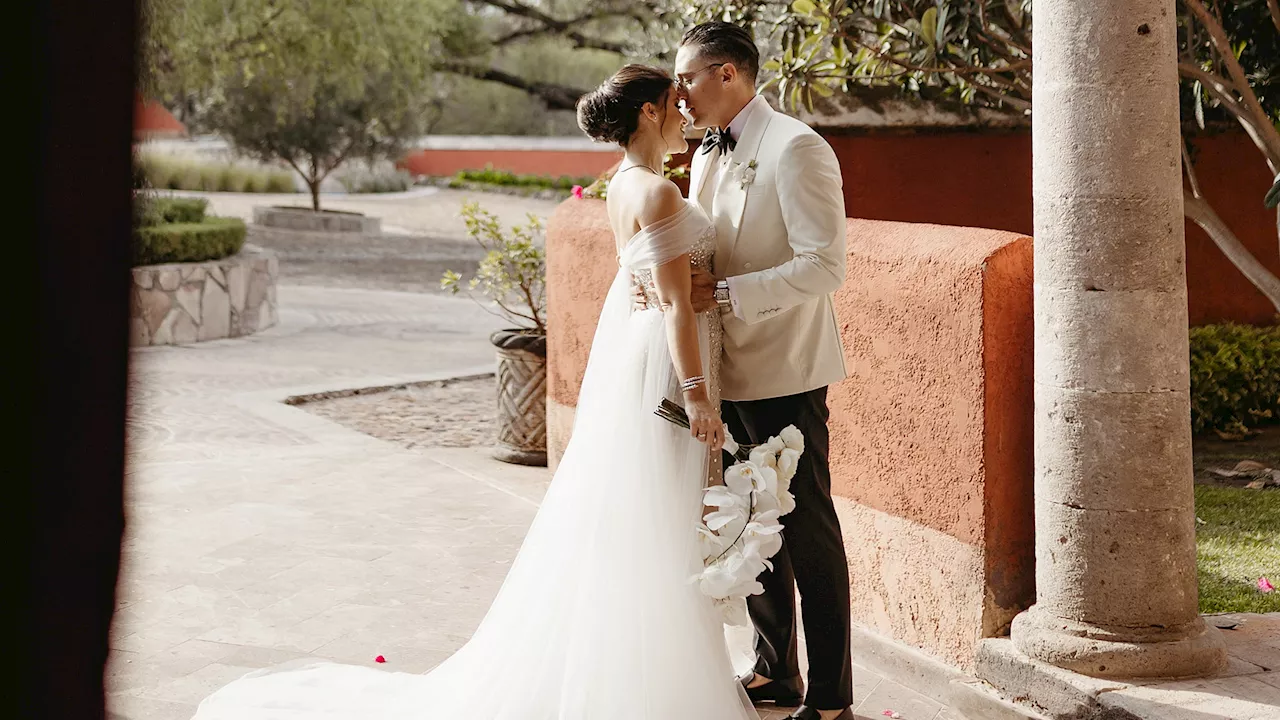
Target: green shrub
(1235, 377)
(280, 182)
(150, 210)
(211, 239)
(180, 210)
(176, 173)
(233, 179)
(491, 176)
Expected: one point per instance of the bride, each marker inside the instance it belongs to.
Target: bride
(597, 619)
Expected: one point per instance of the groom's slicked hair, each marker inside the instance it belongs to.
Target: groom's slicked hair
(727, 42)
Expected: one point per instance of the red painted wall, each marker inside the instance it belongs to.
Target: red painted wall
(151, 119)
(984, 180)
(523, 162)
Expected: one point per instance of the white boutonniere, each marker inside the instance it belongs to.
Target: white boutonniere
(746, 173)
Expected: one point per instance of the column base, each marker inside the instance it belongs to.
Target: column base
(1190, 650)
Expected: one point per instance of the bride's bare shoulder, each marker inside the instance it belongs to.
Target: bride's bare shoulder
(660, 200)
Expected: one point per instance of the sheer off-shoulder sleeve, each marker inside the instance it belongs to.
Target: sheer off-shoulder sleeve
(664, 240)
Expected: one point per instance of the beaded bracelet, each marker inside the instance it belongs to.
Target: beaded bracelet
(692, 383)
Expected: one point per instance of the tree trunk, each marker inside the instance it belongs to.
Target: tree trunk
(314, 186)
(1203, 215)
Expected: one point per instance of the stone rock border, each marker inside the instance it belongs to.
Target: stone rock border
(307, 220)
(183, 303)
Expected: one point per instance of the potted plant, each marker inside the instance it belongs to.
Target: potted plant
(512, 275)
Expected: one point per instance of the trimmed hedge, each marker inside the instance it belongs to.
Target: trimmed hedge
(180, 210)
(1235, 378)
(490, 176)
(212, 239)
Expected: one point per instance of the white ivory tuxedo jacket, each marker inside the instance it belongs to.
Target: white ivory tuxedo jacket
(777, 203)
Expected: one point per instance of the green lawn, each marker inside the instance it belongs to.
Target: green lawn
(1238, 542)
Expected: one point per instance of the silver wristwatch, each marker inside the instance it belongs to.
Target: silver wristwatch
(722, 294)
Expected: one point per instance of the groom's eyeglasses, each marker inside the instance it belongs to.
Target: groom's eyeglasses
(685, 81)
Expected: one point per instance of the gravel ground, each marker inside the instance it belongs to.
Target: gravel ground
(452, 413)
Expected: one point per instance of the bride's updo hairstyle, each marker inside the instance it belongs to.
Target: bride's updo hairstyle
(611, 112)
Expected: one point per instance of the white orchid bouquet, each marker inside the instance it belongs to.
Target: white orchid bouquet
(739, 537)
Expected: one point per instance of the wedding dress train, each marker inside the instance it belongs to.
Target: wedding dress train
(597, 619)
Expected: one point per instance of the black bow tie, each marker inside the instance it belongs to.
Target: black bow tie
(717, 137)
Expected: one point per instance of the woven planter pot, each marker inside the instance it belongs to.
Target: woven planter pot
(522, 397)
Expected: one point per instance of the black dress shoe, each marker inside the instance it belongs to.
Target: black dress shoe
(804, 712)
(784, 693)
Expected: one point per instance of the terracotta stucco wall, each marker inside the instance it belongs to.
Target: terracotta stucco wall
(931, 433)
(931, 446)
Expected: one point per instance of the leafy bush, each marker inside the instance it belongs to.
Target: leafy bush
(166, 172)
(1235, 377)
(490, 176)
(178, 210)
(210, 239)
(512, 273)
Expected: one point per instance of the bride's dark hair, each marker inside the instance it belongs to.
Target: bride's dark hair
(611, 112)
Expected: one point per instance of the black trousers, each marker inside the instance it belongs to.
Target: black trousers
(812, 557)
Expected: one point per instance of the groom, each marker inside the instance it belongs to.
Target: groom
(772, 187)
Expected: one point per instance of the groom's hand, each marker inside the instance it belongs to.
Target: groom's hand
(703, 293)
(639, 302)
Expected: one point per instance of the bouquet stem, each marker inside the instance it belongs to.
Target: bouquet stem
(674, 414)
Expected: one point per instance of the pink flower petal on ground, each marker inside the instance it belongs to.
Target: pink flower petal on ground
(379, 659)
(1265, 585)
(577, 191)
(890, 714)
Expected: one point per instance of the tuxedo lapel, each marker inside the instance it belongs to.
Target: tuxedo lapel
(731, 191)
(698, 171)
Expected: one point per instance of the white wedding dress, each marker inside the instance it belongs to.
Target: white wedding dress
(597, 619)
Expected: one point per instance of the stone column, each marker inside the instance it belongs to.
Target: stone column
(1115, 518)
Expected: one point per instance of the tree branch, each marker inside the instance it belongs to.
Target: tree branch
(1012, 101)
(551, 25)
(991, 73)
(1274, 8)
(341, 158)
(993, 40)
(557, 97)
(1190, 170)
(579, 40)
(1241, 81)
(1020, 40)
(1221, 91)
(1202, 214)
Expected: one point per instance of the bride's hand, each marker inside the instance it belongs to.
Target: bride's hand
(704, 420)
